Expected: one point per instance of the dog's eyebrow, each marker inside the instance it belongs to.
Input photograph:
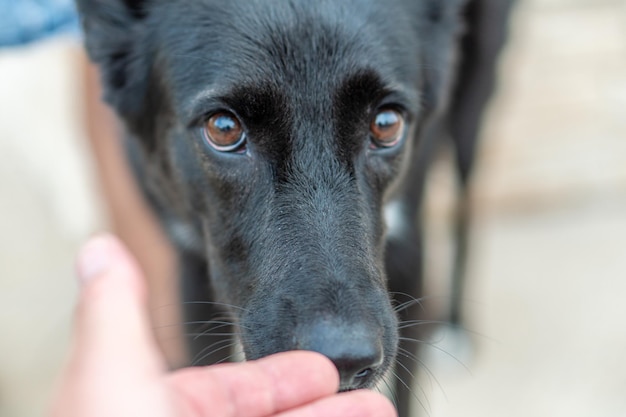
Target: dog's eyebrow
(200, 104)
(408, 97)
(368, 87)
(255, 103)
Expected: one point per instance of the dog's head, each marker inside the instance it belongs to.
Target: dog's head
(279, 127)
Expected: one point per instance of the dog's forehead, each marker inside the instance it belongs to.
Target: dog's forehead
(294, 44)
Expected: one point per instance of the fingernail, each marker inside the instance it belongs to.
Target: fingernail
(94, 259)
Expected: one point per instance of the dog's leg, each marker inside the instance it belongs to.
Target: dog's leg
(208, 333)
(480, 47)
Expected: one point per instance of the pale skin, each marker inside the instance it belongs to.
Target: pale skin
(116, 368)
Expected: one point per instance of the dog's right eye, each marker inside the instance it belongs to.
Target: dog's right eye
(224, 132)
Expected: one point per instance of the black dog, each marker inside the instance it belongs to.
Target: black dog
(269, 135)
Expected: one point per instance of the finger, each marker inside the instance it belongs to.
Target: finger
(350, 404)
(112, 325)
(258, 388)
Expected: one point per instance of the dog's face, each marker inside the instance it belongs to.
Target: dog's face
(279, 128)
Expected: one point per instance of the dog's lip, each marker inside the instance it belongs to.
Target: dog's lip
(348, 388)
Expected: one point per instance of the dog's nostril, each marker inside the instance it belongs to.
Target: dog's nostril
(364, 373)
(356, 371)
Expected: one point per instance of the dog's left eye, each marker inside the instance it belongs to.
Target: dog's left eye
(224, 132)
(387, 128)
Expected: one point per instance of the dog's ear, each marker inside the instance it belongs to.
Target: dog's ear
(441, 29)
(114, 38)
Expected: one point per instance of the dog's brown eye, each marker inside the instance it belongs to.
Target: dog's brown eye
(387, 128)
(224, 132)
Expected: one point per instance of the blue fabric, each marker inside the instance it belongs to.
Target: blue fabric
(24, 21)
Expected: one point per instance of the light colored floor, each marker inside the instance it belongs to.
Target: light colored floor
(549, 268)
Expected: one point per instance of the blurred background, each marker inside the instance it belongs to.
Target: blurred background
(547, 299)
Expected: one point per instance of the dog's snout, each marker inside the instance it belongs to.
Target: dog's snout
(356, 350)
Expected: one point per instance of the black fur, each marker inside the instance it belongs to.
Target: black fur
(290, 233)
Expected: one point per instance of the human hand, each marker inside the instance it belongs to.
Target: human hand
(116, 369)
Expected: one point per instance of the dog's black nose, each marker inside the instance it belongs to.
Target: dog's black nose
(355, 350)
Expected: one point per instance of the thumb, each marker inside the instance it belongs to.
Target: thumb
(112, 330)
